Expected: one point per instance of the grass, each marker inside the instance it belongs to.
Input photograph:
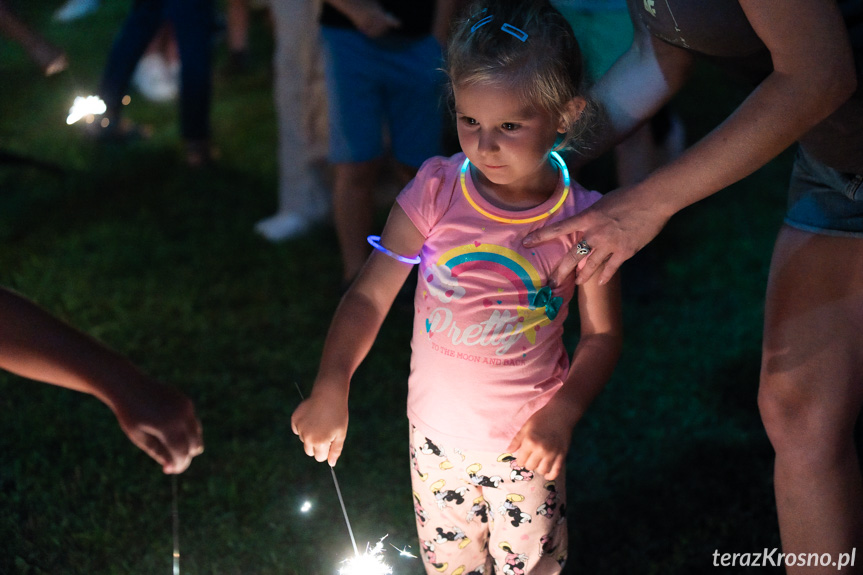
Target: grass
(159, 262)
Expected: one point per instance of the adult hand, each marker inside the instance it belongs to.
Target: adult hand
(321, 423)
(371, 19)
(615, 228)
(161, 421)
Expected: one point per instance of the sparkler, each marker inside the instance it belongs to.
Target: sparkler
(175, 520)
(371, 562)
(83, 107)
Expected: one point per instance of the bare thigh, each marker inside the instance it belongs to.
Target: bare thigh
(812, 366)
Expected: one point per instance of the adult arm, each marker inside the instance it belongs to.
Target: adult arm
(813, 75)
(321, 421)
(443, 15)
(156, 418)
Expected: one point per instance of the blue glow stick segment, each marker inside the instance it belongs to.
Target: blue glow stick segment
(375, 242)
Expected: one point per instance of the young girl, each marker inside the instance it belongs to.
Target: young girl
(492, 397)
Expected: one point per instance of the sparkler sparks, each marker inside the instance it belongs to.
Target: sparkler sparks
(404, 552)
(369, 563)
(83, 107)
(372, 561)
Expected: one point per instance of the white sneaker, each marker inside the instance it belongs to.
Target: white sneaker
(283, 226)
(74, 9)
(154, 80)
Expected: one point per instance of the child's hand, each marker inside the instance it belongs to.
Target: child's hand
(321, 422)
(159, 420)
(543, 441)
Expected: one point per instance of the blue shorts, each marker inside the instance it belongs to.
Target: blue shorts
(822, 200)
(372, 83)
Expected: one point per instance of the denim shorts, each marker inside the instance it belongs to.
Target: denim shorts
(395, 83)
(822, 200)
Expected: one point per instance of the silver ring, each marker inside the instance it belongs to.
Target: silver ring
(582, 248)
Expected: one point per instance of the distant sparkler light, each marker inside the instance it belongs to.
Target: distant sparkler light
(83, 107)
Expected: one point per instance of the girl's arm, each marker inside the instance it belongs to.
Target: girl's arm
(321, 421)
(813, 75)
(543, 441)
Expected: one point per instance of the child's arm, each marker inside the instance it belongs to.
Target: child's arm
(321, 421)
(155, 417)
(543, 442)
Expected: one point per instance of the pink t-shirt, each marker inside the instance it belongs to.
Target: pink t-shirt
(487, 345)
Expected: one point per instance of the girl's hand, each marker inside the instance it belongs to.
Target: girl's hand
(543, 441)
(321, 422)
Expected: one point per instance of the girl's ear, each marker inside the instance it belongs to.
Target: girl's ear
(571, 113)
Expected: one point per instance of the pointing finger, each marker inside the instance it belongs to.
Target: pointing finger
(550, 231)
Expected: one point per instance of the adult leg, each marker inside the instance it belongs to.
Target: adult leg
(300, 101)
(139, 28)
(353, 212)
(812, 390)
(238, 25)
(193, 26)
(353, 69)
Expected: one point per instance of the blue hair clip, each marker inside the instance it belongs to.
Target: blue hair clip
(513, 31)
(508, 28)
(482, 22)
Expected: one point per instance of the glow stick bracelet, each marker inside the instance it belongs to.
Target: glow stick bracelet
(375, 241)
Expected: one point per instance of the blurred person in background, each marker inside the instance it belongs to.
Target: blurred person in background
(50, 59)
(192, 23)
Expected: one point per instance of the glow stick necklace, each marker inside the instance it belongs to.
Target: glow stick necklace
(556, 157)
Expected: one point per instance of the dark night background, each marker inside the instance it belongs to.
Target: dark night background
(160, 262)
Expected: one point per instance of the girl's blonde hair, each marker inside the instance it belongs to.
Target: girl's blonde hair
(521, 45)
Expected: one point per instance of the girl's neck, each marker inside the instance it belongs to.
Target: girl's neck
(521, 195)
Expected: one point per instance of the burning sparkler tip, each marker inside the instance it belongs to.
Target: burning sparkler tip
(369, 563)
(88, 108)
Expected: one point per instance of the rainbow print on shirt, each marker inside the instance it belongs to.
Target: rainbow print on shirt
(535, 304)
